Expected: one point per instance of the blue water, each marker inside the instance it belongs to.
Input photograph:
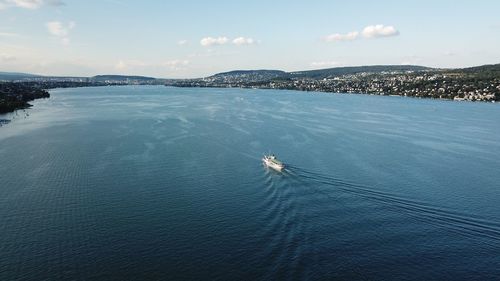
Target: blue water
(154, 183)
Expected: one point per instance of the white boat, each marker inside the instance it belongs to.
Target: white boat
(272, 162)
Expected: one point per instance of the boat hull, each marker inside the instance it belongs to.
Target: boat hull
(272, 165)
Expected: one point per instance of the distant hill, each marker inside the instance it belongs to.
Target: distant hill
(489, 70)
(249, 75)
(486, 67)
(9, 76)
(98, 78)
(261, 75)
(347, 70)
(266, 75)
(102, 78)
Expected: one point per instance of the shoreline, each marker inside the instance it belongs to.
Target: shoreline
(328, 92)
(20, 94)
(14, 96)
(17, 95)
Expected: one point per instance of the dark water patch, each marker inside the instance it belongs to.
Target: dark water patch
(4, 122)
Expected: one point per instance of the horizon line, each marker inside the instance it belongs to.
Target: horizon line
(254, 69)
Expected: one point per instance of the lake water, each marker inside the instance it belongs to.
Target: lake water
(154, 183)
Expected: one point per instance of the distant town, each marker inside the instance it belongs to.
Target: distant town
(470, 84)
(480, 83)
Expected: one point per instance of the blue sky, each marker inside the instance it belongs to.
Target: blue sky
(176, 39)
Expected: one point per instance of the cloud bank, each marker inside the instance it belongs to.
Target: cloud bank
(369, 32)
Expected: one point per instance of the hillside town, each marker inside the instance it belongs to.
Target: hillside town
(420, 84)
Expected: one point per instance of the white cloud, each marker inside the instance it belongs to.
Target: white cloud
(57, 28)
(324, 64)
(176, 64)
(371, 31)
(244, 41)
(26, 4)
(210, 41)
(223, 40)
(61, 30)
(29, 4)
(342, 37)
(379, 30)
(182, 42)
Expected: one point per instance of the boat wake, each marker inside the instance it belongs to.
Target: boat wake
(284, 232)
(300, 210)
(460, 222)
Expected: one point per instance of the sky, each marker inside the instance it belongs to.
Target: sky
(188, 38)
